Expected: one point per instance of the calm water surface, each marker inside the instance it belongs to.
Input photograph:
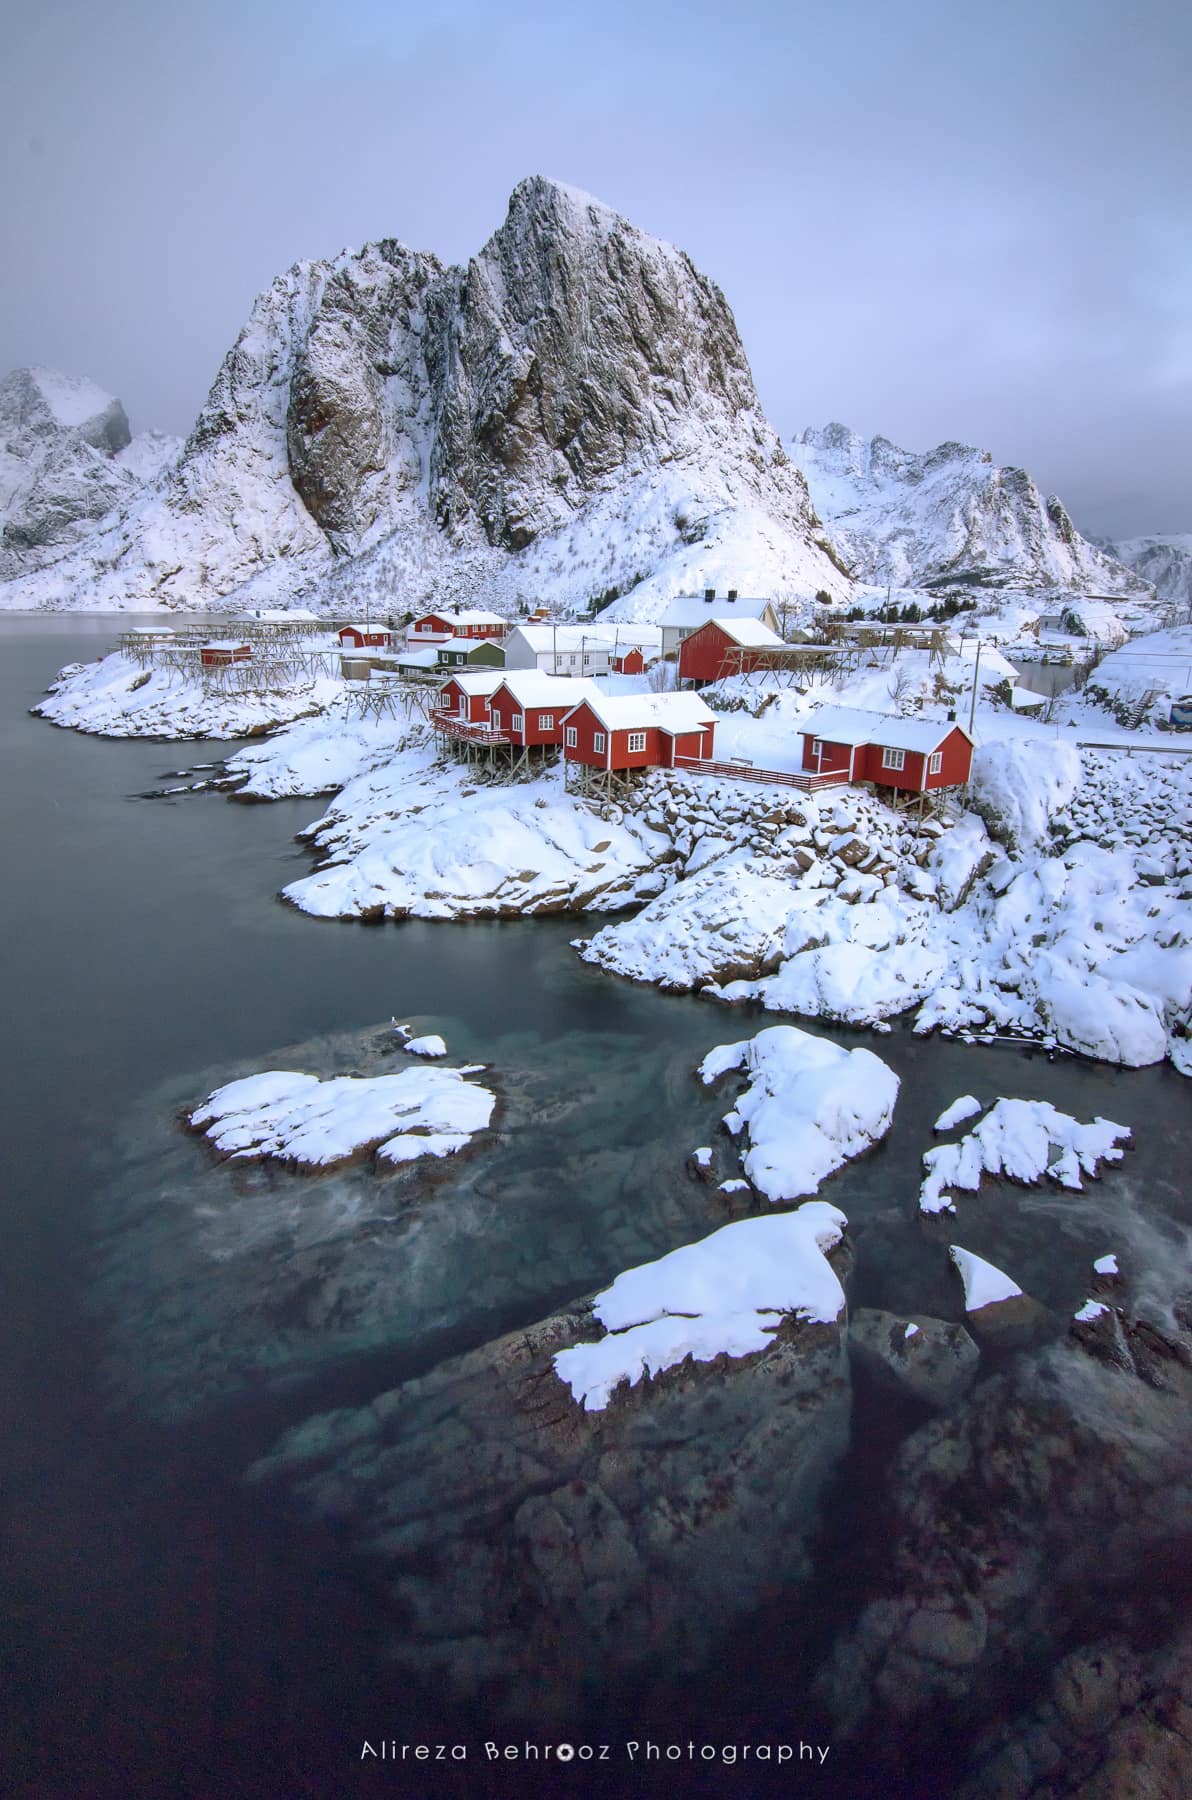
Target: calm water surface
(164, 1634)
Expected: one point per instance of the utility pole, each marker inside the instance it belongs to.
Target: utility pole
(973, 707)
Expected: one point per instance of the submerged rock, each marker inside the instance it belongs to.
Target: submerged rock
(931, 1359)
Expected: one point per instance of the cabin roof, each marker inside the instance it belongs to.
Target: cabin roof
(693, 609)
(851, 725)
(476, 681)
(749, 632)
(593, 637)
(671, 713)
(474, 617)
(533, 687)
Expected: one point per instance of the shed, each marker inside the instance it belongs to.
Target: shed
(466, 696)
(365, 637)
(687, 612)
(721, 647)
(221, 653)
(914, 756)
(471, 653)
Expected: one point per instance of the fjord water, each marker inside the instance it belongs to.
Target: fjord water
(166, 1629)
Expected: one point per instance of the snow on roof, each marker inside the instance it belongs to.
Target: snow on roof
(365, 630)
(475, 617)
(591, 637)
(426, 658)
(670, 712)
(850, 725)
(533, 687)
(225, 644)
(748, 632)
(693, 609)
(480, 681)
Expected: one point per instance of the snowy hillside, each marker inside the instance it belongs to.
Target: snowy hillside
(1164, 561)
(949, 516)
(571, 413)
(67, 461)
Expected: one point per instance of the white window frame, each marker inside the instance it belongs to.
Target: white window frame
(571, 737)
(462, 708)
(894, 760)
(546, 721)
(599, 742)
(637, 741)
(935, 762)
(817, 746)
(518, 722)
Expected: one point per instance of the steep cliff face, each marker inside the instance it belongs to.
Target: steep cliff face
(428, 428)
(67, 460)
(949, 516)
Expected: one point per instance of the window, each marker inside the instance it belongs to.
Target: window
(519, 722)
(571, 737)
(598, 742)
(637, 741)
(935, 762)
(587, 660)
(817, 746)
(893, 759)
(546, 721)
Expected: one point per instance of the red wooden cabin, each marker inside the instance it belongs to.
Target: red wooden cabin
(433, 627)
(723, 647)
(528, 707)
(222, 654)
(365, 637)
(627, 662)
(916, 756)
(638, 731)
(466, 697)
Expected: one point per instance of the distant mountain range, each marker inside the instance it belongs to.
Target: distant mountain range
(569, 418)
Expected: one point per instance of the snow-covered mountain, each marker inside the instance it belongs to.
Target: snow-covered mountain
(1164, 561)
(947, 517)
(67, 460)
(572, 413)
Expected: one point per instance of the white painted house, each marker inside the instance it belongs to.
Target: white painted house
(577, 650)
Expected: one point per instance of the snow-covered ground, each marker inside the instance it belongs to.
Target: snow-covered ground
(115, 697)
(725, 1295)
(285, 1116)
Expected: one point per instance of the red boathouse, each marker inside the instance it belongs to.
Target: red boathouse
(913, 756)
(721, 647)
(620, 734)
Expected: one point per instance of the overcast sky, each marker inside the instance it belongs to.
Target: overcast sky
(933, 221)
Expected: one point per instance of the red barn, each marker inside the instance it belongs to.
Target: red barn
(221, 653)
(466, 697)
(361, 637)
(638, 731)
(721, 647)
(627, 662)
(916, 756)
(528, 707)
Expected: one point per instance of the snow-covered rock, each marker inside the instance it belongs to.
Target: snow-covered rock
(1017, 1140)
(309, 1123)
(1020, 785)
(984, 1285)
(723, 1296)
(1165, 561)
(810, 1106)
(67, 460)
(948, 516)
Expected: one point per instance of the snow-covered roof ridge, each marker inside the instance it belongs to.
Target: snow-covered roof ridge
(535, 687)
(670, 712)
(696, 609)
(853, 725)
(574, 637)
(749, 633)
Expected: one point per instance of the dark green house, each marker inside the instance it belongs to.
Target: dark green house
(471, 653)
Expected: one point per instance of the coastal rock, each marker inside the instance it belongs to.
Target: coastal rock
(1034, 1508)
(931, 1359)
(535, 1547)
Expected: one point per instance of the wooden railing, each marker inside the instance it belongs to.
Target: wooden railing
(806, 783)
(467, 732)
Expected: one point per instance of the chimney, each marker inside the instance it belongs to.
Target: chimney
(732, 593)
(952, 717)
(709, 596)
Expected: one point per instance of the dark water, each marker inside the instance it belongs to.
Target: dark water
(165, 1633)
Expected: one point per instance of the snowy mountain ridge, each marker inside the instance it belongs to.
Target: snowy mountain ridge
(1164, 559)
(948, 516)
(67, 460)
(387, 425)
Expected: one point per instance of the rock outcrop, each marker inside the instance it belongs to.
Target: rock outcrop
(537, 1550)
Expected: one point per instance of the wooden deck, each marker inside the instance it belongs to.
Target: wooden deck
(465, 732)
(804, 782)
